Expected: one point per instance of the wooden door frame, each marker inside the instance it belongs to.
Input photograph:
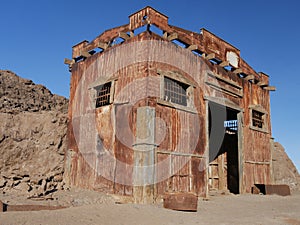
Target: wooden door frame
(240, 118)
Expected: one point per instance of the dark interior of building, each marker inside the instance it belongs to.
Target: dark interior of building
(223, 148)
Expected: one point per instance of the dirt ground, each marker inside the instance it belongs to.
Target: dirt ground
(88, 207)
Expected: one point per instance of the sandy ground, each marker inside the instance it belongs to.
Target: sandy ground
(88, 207)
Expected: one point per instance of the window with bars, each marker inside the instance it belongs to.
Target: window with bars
(257, 119)
(103, 93)
(175, 91)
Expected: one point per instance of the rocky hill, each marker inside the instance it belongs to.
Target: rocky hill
(32, 136)
(284, 169)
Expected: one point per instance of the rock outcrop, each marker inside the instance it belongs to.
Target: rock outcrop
(284, 170)
(33, 124)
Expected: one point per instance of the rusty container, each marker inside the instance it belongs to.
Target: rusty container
(181, 201)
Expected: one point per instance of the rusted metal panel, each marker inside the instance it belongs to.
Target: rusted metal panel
(198, 171)
(214, 44)
(2, 207)
(5, 207)
(181, 201)
(270, 189)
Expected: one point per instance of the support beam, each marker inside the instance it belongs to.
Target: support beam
(237, 71)
(85, 54)
(173, 36)
(270, 88)
(165, 35)
(250, 77)
(102, 45)
(69, 61)
(124, 35)
(192, 47)
(263, 83)
(224, 63)
(131, 33)
(210, 56)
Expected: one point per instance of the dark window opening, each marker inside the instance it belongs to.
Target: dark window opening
(139, 30)
(175, 91)
(96, 50)
(117, 40)
(197, 52)
(145, 18)
(227, 68)
(103, 95)
(156, 30)
(92, 52)
(79, 59)
(215, 61)
(242, 75)
(257, 119)
(179, 43)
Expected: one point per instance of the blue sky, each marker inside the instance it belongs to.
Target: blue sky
(36, 36)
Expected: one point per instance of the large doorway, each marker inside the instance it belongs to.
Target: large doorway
(223, 171)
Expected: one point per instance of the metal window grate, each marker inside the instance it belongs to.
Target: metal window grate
(257, 119)
(103, 95)
(175, 91)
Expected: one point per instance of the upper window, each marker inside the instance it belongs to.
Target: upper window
(103, 94)
(257, 119)
(175, 91)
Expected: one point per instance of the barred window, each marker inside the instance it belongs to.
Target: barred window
(103, 94)
(175, 91)
(257, 119)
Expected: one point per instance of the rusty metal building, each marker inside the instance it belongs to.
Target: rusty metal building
(158, 109)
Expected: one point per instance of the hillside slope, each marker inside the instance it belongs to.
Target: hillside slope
(284, 169)
(32, 136)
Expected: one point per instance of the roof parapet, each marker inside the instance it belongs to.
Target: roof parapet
(145, 16)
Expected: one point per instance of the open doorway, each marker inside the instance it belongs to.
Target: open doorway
(223, 171)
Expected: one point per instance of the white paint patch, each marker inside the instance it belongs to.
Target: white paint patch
(233, 59)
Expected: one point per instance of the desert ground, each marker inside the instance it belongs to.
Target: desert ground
(88, 207)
